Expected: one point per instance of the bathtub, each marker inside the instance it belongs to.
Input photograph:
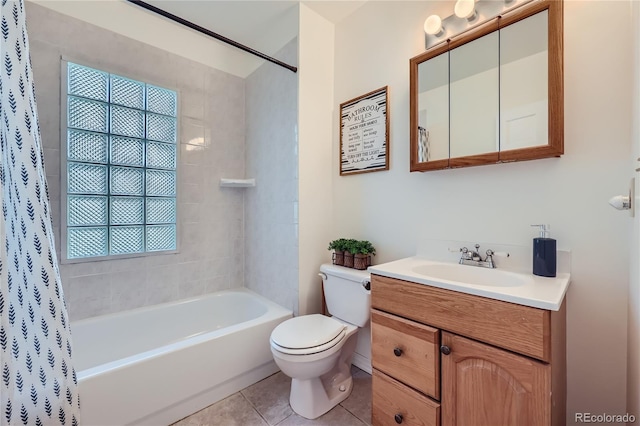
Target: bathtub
(158, 364)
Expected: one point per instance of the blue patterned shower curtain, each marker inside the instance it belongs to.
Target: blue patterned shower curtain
(38, 382)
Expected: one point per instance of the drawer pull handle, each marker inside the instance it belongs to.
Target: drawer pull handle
(397, 352)
(398, 418)
(446, 350)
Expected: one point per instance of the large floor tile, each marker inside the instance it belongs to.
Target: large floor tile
(271, 397)
(359, 402)
(338, 416)
(266, 403)
(232, 411)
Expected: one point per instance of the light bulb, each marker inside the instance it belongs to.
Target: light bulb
(465, 9)
(433, 25)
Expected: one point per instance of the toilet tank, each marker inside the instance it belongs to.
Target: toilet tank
(345, 294)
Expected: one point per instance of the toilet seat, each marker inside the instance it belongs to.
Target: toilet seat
(307, 334)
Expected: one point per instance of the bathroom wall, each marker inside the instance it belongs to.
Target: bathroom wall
(211, 138)
(271, 208)
(396, 209)
(315, 118)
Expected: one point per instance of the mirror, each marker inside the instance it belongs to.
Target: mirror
(523, 107)
(492, 94)
(474, 96)
(433, 96)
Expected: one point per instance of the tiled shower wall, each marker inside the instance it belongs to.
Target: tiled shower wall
(211, 137)
(271, 208)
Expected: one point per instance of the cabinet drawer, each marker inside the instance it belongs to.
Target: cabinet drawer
(391, 398)
(515, 327)
(407, 351)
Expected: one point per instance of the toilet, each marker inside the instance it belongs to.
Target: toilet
(316, 350)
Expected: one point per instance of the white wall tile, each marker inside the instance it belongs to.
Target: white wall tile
(192, 103)
(88, 296)
(188, 289)
(212, 118)
(270, 220)
(214, 284)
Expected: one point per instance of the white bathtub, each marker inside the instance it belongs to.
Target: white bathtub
(158, 364)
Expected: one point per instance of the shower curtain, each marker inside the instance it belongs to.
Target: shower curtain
(38, 382)
(424, 150)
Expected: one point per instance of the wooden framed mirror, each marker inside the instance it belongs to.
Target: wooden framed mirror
(492, 94)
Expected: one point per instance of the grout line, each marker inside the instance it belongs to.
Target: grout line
(354, 415)
(282, 421)
(253, 406)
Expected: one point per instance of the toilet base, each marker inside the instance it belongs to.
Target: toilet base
(312, 398)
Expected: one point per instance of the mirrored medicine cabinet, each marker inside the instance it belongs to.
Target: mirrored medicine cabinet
(493, 94)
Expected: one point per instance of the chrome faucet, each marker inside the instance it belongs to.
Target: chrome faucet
(473, 257)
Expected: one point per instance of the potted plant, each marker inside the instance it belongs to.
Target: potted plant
(338, 246)
(362, 252)
(349, 250)
(352, 253)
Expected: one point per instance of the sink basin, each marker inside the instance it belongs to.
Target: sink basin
(472, 275)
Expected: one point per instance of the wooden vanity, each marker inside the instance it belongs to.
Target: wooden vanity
(443, 357)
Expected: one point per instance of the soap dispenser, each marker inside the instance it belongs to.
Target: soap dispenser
(544, 253)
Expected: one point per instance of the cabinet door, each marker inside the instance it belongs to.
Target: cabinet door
(486, 386)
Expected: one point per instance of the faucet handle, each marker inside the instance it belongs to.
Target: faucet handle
(464, 253)
(458, 250)
(497, 253)
(490, 254)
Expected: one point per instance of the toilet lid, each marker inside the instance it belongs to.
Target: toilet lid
(307, 331)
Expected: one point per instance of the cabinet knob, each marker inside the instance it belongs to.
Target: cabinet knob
(397, 352)
(446, 350)
(398, 418)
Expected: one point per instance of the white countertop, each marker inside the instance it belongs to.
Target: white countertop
(537, 292)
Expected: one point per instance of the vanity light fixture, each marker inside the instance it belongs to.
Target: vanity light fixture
(433, 26)
(466, 9)
(467, 14)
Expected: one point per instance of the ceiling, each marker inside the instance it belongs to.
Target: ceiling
(263, 25)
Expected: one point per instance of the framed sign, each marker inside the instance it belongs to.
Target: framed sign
(364, 133)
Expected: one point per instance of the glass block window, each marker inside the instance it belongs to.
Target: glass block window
(121, 160)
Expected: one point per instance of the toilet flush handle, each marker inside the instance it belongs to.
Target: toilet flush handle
(322, 275)
(366, 284)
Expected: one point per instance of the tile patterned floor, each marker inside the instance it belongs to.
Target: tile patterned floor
(266, 403)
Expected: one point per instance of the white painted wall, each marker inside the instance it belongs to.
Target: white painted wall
(315, 119)
(397, 209)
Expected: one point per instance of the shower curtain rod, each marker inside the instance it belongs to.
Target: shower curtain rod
(211, 33)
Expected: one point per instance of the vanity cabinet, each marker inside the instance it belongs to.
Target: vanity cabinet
(442, 357)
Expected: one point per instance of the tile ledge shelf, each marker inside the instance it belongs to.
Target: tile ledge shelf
(237, 183)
